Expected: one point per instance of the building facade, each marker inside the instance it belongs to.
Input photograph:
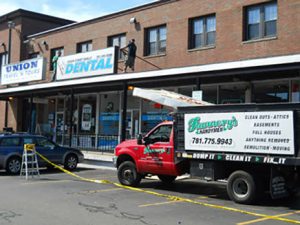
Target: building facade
(232, 52)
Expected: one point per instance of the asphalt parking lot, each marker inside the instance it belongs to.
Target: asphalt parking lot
(58, 198)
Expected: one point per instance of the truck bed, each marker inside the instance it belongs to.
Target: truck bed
(253, 114)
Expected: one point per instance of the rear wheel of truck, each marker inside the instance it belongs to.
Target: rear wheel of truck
(128, 175)
(241, 187)
(167, 179)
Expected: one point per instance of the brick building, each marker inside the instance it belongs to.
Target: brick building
(23, 23)
(233, 51)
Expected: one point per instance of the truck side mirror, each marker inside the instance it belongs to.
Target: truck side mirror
(140, 139)
(147, 140)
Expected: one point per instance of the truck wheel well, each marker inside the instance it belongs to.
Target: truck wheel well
(123, 158)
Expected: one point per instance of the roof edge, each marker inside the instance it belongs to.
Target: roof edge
(26, 13)
(105, 17)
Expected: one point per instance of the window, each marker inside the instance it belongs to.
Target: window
(202, 31)
(84, 47)
(275, 91)
(54, 52)
(28, 140)
(3, 60)
(261, 21)
(156, 40)
(161, 134)
(43, 142)
(118, 40)
(33, 55)
(10, 142)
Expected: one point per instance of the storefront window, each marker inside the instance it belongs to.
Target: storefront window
(108, 121)
(232, 94)
(60, 125)
(210, 94)
(295, 91)
(153, 114)
(268, 92)
(84, 121)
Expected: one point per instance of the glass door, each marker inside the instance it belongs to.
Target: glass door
(132, 123)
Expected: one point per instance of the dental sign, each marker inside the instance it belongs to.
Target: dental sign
(86, 64)
(25, 71)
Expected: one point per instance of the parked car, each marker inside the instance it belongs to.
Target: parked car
(11, 151)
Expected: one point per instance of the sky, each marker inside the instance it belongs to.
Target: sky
(77, 10)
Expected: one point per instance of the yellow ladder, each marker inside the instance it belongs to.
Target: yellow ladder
(30, 166)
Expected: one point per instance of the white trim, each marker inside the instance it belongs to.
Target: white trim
(278, 60)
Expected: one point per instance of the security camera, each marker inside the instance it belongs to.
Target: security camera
(132, 20)
(44, 42)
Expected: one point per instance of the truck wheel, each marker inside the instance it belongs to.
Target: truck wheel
(241, 187)
(128, 175)
(167, 179)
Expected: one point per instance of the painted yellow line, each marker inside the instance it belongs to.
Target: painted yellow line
(159, 203)
(268, 218)
(172, 197)
(203, 197)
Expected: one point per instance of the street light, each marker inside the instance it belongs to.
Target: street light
(11, 25)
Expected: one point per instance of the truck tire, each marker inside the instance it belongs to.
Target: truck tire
(167, 179)
(241, 187)
(128, 175)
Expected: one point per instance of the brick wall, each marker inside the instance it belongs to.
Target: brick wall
(229, 34)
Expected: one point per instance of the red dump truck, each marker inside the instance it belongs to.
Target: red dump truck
(254, 147)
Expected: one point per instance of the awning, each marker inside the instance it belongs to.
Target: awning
(292, 60)
(167, 98)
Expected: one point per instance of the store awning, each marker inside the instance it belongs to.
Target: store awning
(167, 98)
(48, 87)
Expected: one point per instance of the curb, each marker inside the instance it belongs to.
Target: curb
(98, 156)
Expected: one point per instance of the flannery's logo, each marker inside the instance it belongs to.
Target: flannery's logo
(195, 125)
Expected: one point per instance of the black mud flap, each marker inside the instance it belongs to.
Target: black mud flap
(278, 186)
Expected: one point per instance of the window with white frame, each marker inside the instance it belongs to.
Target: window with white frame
(84, 46)
(3, 59)
(261, 21)
(202, 31)
(156, 40)
(118, 40)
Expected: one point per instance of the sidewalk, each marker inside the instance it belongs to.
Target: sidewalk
(99, 156)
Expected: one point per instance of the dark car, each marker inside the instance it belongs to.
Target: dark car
(11, 151)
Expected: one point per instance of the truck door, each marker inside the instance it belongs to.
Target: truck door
(158, 156)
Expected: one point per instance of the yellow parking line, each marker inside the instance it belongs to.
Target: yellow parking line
(174, 198)
(203, 197)
(159, 203)
(270, 218)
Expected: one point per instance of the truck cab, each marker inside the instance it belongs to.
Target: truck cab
(150, 154)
